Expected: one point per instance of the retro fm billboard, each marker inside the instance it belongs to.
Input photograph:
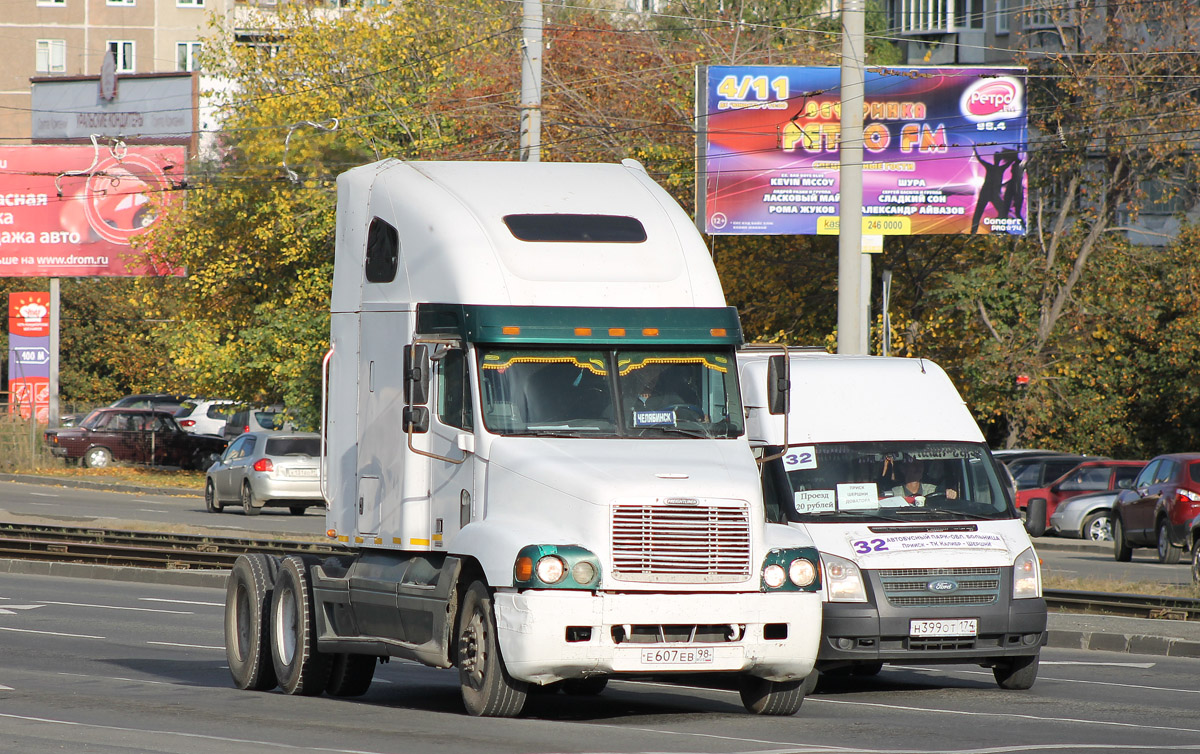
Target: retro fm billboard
(73, 211)
(944, 150)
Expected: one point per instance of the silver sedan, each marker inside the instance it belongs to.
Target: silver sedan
(261, 469)
(1085, 516)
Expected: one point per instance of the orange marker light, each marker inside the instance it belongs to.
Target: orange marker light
(650, 331)
(511, 330)
(616, 332)
(717, 332)
(583, 331)
(524, 569)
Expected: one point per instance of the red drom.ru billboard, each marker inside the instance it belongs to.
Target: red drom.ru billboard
(944, 150)
(72, 211)
(29, 354)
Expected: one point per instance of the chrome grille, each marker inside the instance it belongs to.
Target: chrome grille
(908, 587)
(681, 544)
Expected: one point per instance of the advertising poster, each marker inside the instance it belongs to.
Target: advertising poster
(944, 150)
(29, 354)
(72, 211)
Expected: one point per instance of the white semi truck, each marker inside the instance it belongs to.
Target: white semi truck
(925, 558)
(534, 453)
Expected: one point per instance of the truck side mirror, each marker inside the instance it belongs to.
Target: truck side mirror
(416, 375)
(1035, 516)
(416, 419)
(779, 385)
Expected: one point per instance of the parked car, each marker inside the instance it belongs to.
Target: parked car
(1008, 455)
(1040, 470)
(256, 420)
(164, 401)
(1088, 476)
(1157, 511)
(136, 435)
(261, 469)
(204, 416)
(1086, 516)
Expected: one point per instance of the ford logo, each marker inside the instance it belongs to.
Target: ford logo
(942, 586)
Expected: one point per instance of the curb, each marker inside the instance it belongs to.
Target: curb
(171, 577)
(102, 486)
(1122, 642)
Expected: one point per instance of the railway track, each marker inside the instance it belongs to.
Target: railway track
(203, 552)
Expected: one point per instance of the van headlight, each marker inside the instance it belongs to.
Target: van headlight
(1027, 576)
(843, 579)
(556, 566)
(793, 569)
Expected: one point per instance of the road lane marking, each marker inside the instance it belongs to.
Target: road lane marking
(182, 602)
(49, 633)
(121, 607)
(185, 646)
(1139, 665)
(8, 609)
(1071, 680)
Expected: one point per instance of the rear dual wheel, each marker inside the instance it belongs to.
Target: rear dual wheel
(248, 594)
(301, 668)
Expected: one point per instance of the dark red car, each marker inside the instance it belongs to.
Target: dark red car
(1089, 476)
(1156, 512)
(136, 435)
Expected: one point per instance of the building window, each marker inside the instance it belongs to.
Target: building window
(120, 2)
(123, 55)
(51, 56)
(1003, 11)
(969, 14)
(926, 16)
(189, 3)
(187, 56)
(51, 3)
(1039, 15)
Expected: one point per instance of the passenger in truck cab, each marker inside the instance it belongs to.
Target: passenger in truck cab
(908, 476)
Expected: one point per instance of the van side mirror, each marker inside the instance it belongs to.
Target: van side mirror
(1035, 516)
(416, 375)
(779, 385)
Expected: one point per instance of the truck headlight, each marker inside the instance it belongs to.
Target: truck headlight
(843, 579)
(1027, 576)
(792, 569)
(556, 566)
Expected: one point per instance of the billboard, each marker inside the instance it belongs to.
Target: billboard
(944, 150)
(72, 211)
(29, 354)
(157, 108)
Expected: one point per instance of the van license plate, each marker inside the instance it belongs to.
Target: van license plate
(946, 627)
(699, 655)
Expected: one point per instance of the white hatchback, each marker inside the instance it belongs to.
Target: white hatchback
(201, 416)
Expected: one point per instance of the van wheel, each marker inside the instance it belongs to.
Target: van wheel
(350, 675)
(1122, 552)
(487, 688)
(763, 697)
(1017, 673)
(302, 669)
(97, 458)
(211, 503)
(247, 621)
(1167, 552)
(248, 506)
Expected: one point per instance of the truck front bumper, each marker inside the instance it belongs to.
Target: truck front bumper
(550, 635)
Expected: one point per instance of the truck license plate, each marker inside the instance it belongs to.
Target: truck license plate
(946, 627)
(677, 656)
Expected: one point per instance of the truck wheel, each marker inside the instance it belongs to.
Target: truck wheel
(763, 697)
(301, 668)
(585, 686)
(247, 621)
(350, 674)
(1122, 552)
(211, 503)
(1167, 552)
(1017, 673)
(487, 688)
(248, 506)
(1097, 527)
(97, 458)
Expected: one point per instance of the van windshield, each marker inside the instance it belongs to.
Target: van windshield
(885, 482)
(599, 392)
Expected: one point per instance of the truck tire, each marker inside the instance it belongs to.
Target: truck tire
(247, 621)
(350, 675)
(487, 688)
(1016, 673)
(301, 668)
(248, 506)
(763, 697)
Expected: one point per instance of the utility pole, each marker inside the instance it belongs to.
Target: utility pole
(851, 318)
(531, 81)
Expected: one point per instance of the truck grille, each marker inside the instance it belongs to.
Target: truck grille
(909, 587)
(681, 544)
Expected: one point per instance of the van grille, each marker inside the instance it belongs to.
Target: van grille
(681, 544)
(909, 587)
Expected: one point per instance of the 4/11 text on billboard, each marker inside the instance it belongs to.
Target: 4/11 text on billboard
(944, 150)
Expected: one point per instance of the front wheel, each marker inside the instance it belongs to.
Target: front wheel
(1122, 552)
(211, 503)
(97, 458)
(1168, 552)
(777, 698)
(248, 594)
(1017, 673)
(487, 688)
(302, 669)
(1097, 527)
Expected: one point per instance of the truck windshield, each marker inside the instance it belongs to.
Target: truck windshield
(885, 481)
(610, 392)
